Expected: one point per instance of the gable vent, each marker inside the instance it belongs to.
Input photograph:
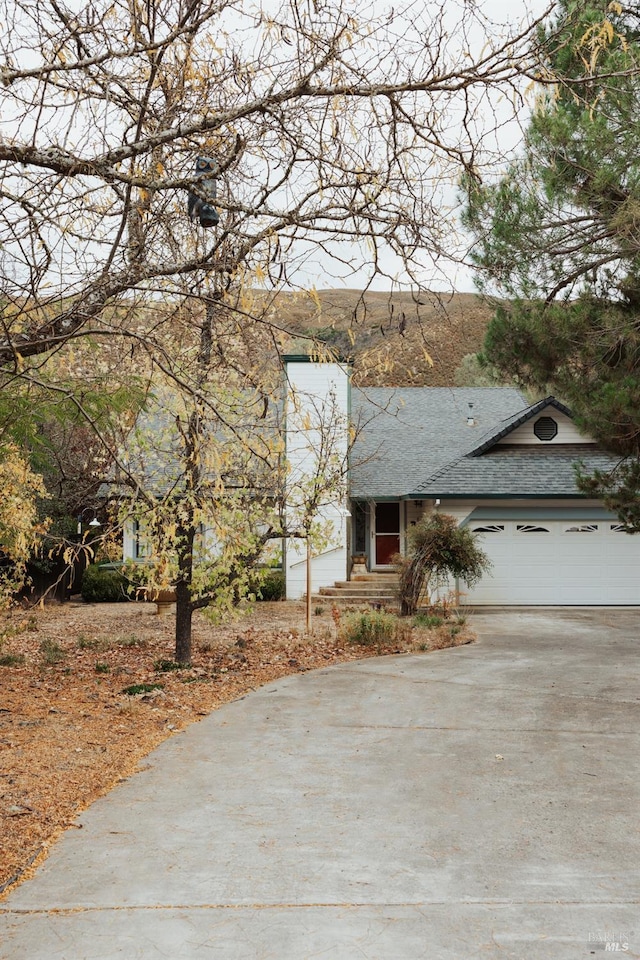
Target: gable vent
(545, 428)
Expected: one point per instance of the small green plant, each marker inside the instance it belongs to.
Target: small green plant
(131, 641)
(369, 629)
(51, 651)
(102, 667)
(11, 659)
(86, 643)
(318, 611)
(92, 643)
(7, 633)
(428, 620)
(166, 666)
(136, 688)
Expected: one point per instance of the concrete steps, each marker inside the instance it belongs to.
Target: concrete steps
(367, 589)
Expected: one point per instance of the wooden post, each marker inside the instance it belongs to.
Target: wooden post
(308, 585)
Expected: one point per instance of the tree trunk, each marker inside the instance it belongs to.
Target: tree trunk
(184, 614)
(187, 529)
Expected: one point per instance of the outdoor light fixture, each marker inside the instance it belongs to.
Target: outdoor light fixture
(92, 523)
(201, 205)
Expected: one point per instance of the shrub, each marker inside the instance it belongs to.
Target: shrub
(428, 620)
(103, 586)
(437, 547)
(272, 586)
(369, 629)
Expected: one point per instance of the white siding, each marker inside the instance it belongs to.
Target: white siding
(414, 511)
(326, 569)
(317, 443)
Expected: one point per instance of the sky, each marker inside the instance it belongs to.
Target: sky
(350, 269)
(444, 275)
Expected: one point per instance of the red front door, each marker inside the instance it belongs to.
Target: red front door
(387, 533)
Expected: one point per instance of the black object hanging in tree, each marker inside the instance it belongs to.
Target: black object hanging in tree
(201, 204)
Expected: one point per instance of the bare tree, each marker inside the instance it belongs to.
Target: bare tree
(327, 123)
(329, 129)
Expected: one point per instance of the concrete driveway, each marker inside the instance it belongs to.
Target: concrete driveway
(481, 802)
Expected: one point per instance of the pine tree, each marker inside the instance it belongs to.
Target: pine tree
(558, 237)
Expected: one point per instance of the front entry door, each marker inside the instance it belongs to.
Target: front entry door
(387, 533)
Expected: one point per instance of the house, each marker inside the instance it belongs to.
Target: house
(363, 465)
(499, 465)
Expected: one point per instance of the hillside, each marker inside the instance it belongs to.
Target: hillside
(395, 338)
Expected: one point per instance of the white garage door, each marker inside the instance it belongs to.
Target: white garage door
(557, 562)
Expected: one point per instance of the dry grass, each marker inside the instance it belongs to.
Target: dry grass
(68, 732)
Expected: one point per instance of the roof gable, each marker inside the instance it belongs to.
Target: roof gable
(507, 427)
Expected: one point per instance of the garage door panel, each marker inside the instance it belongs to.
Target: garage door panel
(557, 562)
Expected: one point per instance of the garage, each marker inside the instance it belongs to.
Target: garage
(545, 560)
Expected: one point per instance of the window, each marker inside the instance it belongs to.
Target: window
(545, 428)
(531, 528)
(583, 528)
(490, 528)
(140, 543)
(617, 528)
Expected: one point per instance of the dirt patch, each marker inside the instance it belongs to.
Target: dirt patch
(87, 691)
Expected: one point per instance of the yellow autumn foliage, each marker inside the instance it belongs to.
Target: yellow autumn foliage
(20, 527)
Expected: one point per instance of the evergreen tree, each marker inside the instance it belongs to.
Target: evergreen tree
(558, 238)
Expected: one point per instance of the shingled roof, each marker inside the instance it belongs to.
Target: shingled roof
(496, 469)
(516, 471)
(405, 435)
(416, 443)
